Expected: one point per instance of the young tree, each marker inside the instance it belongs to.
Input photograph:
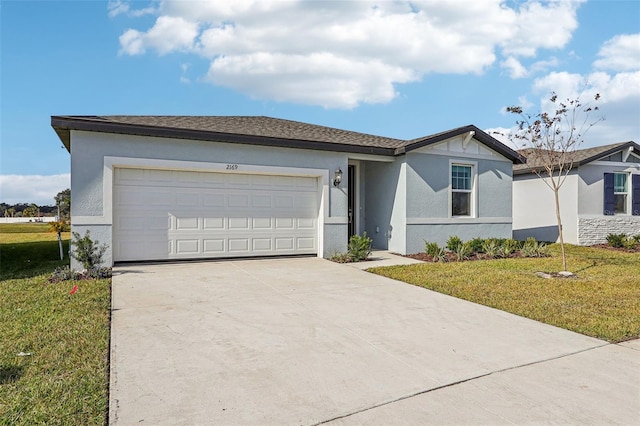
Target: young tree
(63, 201)
(59, 227)
(552, 138)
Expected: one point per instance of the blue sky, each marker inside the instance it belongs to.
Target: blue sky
(395, 69)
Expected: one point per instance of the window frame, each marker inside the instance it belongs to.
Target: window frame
(625, 193)
(473, 208)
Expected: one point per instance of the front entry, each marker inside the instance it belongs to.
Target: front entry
(352, 200)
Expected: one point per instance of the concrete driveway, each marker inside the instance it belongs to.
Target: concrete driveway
(306, 341)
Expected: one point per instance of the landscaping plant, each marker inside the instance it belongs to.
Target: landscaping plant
(453, 243)
(88, 252)
(359, 247)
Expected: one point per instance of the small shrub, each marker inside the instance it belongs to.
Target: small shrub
(477, 245)
(440, 255)
(630, 243)
(510, 246)
(88, 252)
(463, 251)
(532, 248)
(491, 248)
(616, 240)
(359, 247)
(636, 238)
(453, 243)
(432, 249)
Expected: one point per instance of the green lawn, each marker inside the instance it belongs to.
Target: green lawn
(64, 379)
(603, 301)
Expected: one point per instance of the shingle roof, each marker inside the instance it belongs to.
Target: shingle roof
(578, 157)
(258, 130)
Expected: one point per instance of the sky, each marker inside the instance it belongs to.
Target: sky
(390, 68)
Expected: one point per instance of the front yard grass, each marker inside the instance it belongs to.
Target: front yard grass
(603, 301)
(54, 345)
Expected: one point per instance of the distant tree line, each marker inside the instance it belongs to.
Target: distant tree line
(62, 202)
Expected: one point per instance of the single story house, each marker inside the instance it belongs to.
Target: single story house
(185, 187)
(600, 196)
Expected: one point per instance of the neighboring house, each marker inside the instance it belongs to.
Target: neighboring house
(601, 196)
(171, 187)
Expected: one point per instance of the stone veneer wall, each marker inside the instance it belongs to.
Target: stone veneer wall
(594, 230)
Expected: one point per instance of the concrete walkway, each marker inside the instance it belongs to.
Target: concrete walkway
(306, 341)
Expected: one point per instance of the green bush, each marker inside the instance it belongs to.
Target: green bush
(477, 244)
(453, 243)
(532, 248)
(432, 249)
(491, 248)
(359, 247)
(463, 251)
(616, 240)
(630, 243)
(510, 246)
(88, 252)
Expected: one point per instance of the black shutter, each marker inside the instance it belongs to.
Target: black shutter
(609, 198)
(635, 195)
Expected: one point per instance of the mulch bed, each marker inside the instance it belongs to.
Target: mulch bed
(622, 249)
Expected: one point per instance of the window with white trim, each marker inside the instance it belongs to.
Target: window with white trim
(461, 190)
(620, 192)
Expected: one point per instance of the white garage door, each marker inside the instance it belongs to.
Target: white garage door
(166, 214)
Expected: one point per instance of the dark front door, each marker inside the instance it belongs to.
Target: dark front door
(352, 200)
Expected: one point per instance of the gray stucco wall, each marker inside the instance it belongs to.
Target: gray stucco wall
(428, 199)
(88, 150)
(380, 193)
(428, 186)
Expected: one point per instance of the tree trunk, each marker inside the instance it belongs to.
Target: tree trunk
(556, 190)
(60, 245)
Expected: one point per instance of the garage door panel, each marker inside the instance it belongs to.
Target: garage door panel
(262, 223)
(164, 214)
(213, 223)
(187, 223)
(238, 245)
(261, 244)
(214, 246)
(188, 246)
(308, 243)
(285, 244)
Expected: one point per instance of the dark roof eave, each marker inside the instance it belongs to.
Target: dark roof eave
(481, 136)
(63, 125)
(612, 150)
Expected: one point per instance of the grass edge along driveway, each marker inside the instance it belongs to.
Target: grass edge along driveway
(54, 345)
(602, 301)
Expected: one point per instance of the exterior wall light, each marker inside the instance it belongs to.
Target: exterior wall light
(337, 177)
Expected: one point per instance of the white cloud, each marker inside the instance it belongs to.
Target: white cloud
(514, 67)
(37, 189)
(123, 7)
(341, 54)
(621, 53)
(539, 25)
(619, 104)
(168, 34)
